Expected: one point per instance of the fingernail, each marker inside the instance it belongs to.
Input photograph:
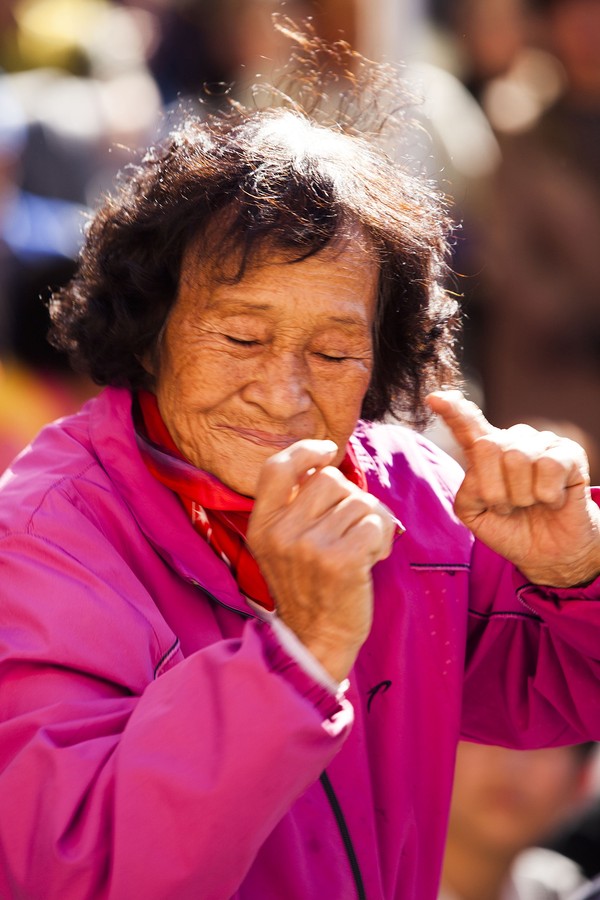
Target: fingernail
(400, 529)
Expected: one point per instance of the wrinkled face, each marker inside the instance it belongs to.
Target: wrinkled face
(244, 370)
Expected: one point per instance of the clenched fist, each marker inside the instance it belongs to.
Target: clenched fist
(316, 537)
(526, 494)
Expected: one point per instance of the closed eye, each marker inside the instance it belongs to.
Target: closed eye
(334, 359)
(240, 342)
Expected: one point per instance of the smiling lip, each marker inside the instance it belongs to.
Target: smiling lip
(266, 438)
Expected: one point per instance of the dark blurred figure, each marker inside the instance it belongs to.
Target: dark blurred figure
(504, 802)
(203, 48)
(37, 383)
(579, 839)
(489, 36)
(74, 94)
(537, 344)
(39, 240)
(194, 52)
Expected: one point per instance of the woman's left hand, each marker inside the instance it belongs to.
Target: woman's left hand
(526, 494)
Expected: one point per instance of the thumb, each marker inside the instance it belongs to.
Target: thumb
(283, 472)
(463, 417)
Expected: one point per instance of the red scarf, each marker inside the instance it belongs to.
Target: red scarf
(217, 512)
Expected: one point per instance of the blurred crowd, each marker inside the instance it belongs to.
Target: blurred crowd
(508, 92)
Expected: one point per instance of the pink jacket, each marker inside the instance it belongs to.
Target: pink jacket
(157, 742)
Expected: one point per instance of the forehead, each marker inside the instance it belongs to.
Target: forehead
(343, 278)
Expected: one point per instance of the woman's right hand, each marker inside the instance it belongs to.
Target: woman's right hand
(316, 537)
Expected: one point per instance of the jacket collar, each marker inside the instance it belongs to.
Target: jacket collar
(156, 509)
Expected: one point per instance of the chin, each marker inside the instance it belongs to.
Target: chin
(241, 484)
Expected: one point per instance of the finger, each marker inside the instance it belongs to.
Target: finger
(463, 417)
(363, 543)
(562, 466)
(484, 485)
(322, 490)
(522, 448)
(344, 515)
(372, 534)
(282, 473)
(502, 466)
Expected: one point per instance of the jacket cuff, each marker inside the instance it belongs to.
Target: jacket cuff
(528, 592)
(291, 659)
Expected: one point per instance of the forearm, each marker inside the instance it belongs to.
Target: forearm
(145, 788)
(532, 674)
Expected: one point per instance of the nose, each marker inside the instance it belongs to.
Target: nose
(280, 386)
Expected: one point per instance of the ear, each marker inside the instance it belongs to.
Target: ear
(150, 363)
(147, 362)
(150, 359)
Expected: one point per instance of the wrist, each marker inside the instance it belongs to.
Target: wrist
(305, 657)
(336, 662)
(576, 573)
(335, 649)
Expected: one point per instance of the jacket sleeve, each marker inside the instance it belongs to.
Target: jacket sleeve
(533, 658)
(149, 787)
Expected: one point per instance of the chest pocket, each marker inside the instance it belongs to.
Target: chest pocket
(441, 592)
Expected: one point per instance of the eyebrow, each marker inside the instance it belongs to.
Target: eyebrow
(348, 320)
(236, 306)
(241, 307)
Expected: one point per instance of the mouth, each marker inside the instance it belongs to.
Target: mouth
(266, 438)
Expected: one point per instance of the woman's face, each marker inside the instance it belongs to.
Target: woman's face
(244, 370)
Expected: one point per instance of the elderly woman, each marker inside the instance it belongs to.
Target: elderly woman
(244, 626)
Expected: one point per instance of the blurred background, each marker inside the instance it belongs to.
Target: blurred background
(508, 94)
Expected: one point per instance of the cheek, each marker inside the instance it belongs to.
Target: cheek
(343, 394)
(201, 373)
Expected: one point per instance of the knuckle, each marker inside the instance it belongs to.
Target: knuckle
(515, 458)
(373, 531)
(485, 447)
(550, 438)
(548, 494)
(490, 490)
(493, 496)
(369, 504)
(550, 467)
(356, 507)
(329, 474)
(574, 451)
(372, 522)
(520, 431)
(551, 473)
(326, 481)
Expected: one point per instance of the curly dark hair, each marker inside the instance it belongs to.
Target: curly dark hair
(268, 180)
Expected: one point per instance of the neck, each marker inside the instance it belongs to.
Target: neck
(472, 873)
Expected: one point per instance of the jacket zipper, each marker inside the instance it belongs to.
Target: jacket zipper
(327, 785)
(240, 612)
(347, 840)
